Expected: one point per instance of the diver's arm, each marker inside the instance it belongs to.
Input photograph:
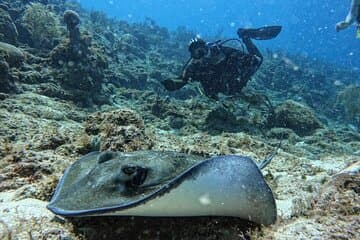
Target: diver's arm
(188, 70)
(173, 84)
(179, 82)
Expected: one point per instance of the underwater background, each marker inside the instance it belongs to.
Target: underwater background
(87, 75)
(308, 26)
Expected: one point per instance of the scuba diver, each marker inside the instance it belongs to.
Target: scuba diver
(352, 17)
(223, 69)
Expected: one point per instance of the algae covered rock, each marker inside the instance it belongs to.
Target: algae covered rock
(42, 24)
(282, 133)
(79, 65)
(10, 56)
(176, 122)
(5, 84)
(8, 31)
(220, 119)
(337, 204)
(13, 55)
(81, 77)
(119, 130)
(350, 98)
(300, 118)
(72, 21)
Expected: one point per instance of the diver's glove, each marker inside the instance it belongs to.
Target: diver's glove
(173, 84)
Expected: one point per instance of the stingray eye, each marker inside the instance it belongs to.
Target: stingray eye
(106, 156)
(128, 170)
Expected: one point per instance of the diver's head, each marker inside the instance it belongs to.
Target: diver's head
(198, 48)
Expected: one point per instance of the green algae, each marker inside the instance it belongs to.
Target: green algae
(42, 24)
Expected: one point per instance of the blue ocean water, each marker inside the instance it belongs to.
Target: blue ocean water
(308, 26)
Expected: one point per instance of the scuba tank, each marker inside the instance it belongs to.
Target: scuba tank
(219, 43)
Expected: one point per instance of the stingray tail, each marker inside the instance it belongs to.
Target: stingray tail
(267, 160)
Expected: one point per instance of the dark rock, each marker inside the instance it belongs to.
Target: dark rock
(7, 85)
(24, 34)
(43, 25)
(3, 96)
(300, 118)
(159, 108)
(176, 122)
(79, 65)
(157, 75)
(51, 90)
(349, 98)
(8, 31)
(72, 21)
(282, 134)
(13, 55)
(122, 130)
(4, 7)
(220, 119)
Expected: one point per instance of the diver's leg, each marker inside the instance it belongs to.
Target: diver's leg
(252, 49)
(350, 18)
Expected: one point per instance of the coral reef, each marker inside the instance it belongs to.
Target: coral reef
(72, 21)
(13, 55)
(221, 119)
(349, 98)
(10, 57)
(120, 130)
(8, 31)
(334, 211)
(42, 25)
(302, 79)
(340, 196)
(5, 84)
(297, 117)
(92, 83)
(79, 65)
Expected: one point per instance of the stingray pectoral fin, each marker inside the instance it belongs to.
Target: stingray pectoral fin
(219, 186)
(101, 182)
(82, 166)
(222, 186)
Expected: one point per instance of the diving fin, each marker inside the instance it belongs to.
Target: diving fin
(263, 33)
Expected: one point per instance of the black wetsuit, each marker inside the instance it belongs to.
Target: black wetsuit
(225, 70)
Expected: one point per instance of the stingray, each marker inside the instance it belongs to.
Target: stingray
(165, 184)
